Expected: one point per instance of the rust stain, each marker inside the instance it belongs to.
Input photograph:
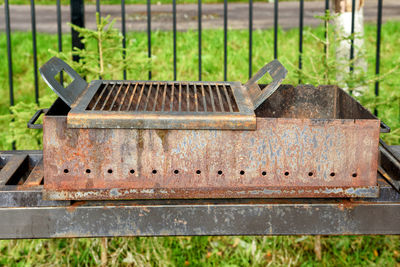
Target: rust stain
(75, 205)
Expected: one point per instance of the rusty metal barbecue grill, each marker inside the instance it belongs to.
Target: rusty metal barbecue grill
(150, 140)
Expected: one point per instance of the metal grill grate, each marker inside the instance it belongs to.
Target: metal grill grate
(164, 97)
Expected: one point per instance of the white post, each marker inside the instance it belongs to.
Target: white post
(343, 10)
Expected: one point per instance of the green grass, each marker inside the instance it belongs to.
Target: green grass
(204, 251)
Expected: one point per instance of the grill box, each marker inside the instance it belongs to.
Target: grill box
(308, 142)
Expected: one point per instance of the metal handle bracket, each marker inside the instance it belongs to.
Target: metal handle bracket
(31, 122)
(70, 93)
(278, 74)
(384, 128)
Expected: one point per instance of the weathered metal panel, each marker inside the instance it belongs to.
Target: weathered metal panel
(272, 218)
(25, 215)
(284, 157)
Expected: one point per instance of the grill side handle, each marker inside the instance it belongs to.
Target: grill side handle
(70, 93)
(278, 74)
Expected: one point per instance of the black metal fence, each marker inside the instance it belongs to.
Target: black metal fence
(77, 18)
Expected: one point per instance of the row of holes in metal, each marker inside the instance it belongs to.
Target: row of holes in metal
(219, 172)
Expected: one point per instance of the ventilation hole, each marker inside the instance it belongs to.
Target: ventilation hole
(198, 171)
(286, 173)
(333, 174)
(241, 172)
(132, 171)
(176, 171)
(109, 171)
(354, 175)
(66, 171)
(310, 174)
(264, 173)
(87, 170)
(219, 172)
(154, 171)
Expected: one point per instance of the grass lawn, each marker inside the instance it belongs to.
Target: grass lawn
(200, 251)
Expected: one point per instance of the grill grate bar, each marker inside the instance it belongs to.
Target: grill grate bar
(212, 97)
(156, 97)
(171, 103)
(108, 96)
(180, 97)
(164, 97)
(123, 98)
(116, 96)
(204, 98)
(196, 100)
(227, 98)
(131, 98)
(100, 96)
(219, 97)
(148, 96)
(188, 97)
(140, 97)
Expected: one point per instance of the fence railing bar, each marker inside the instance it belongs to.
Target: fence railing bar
(77, 18)
(276, 29)
(250, 38)
(174, 34)
(378, 50)
(353, 12)
(59, 33)
(98, 7)
(301, 22)
(225, 39)
(149, 32)
(326, 26)
(99, 12)
(123, 26)
(9, 52)
(34, 48)
(199, 32)
(9, 58)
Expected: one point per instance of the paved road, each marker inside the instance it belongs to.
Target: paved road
(212, 16)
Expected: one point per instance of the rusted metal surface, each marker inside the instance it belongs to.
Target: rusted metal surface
(35, 178)
(160, 104)
(304, 149)
(23, 213)
(23, 188)
(12, 168)
(215, 192)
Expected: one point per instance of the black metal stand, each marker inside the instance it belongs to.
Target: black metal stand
(23, 213)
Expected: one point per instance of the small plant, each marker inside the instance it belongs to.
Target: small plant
(103, 56)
